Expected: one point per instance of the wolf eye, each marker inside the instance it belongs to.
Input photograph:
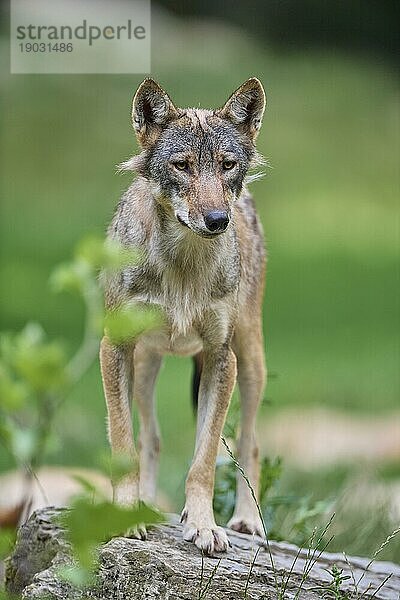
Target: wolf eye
(227, 165)
(181, 165)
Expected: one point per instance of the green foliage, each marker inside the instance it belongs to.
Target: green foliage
(301, 521)
(106, 254)
(71, 277)
(360, 519)
(7, 540)
(115, 465)
(129, 321)
(332, 590)
(91, 521)
(270, 473)
(93, 254)
(232, 419)
(33, 375)
(39, 363)
(5, 596)
(12, 393)
(88, 488)
(224, 490)
(36, 377)
(288, 516)
(90, 524)
(24, 443)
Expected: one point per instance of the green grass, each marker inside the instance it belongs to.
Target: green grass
(328, 207)
(360, 525)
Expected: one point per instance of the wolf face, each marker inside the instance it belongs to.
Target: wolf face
(195, 159)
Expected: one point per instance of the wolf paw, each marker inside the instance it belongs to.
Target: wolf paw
(208, 539)
(252, 525)
(137, 532)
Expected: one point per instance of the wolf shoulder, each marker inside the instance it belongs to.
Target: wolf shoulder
(132, 221)
(249, 229)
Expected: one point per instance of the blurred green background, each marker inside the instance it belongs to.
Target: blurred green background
(328, 204)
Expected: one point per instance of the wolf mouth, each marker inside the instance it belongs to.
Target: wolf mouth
(182, 222)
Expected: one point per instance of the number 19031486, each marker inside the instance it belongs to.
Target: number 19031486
(46, 47)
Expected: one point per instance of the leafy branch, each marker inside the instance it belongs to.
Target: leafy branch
(36, 375)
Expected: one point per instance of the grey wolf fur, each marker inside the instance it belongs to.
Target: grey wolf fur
(204, 262)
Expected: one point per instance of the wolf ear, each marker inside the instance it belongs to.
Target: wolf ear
(152, 109)
(245, 108)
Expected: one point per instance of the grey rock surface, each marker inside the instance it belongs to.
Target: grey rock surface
(164, 567)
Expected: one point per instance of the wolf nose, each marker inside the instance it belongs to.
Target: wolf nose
(216, 220)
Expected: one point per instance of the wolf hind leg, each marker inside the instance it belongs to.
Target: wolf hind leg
(146, 367)
(249, 349)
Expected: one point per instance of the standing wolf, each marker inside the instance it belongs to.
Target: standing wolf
(204, 262)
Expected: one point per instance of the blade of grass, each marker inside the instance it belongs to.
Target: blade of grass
(250, 571)
(377, 552)
(311, 560)
(210, 580)
(353, 579)
(201, 575)
(384, 582)
(253, 495)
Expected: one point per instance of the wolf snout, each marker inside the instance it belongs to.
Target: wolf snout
(216, 220)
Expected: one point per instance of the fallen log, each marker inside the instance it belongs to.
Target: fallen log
(164, 567)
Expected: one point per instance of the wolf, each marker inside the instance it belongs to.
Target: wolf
(190, 212)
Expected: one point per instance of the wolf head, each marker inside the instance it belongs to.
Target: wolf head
(195, 159)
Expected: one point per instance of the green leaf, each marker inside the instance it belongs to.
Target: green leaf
(5, 596)
(39, 363)
(306, 512)
(13, 394)
(232, 420)
(130, 321)
(6, 347)
(87, 486)
(23, 444)
(76, 576)
(71, 277)
(270, 473)
(19, 442)
(42, 366)
(115, 466)
(6, 431)
(107, 254)
(7, 540)
(225, 488)
(32, 335)
(44, 369)
(89, 524)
